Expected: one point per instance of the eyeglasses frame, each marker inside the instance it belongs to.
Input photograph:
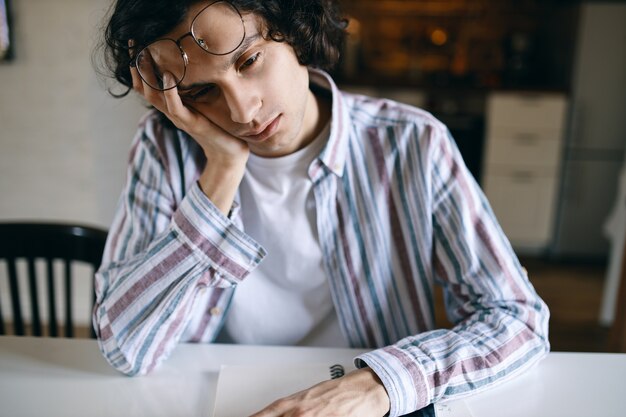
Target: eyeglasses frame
(133, 61)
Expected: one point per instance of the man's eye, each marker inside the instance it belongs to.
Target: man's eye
(250, 61)
(201, 92)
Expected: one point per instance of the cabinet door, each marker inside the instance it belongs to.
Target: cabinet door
(540, 110)
(523, 202)
(524, 147)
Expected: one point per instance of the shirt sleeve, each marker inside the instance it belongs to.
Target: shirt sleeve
(159, 253)
(500, 323)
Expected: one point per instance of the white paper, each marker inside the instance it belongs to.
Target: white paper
(244, 390)
(452, 409)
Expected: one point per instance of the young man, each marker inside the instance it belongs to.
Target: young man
(265, 206)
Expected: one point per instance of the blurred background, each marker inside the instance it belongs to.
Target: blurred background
(534, 93)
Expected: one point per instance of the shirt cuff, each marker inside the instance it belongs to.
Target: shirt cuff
(214, 238)
(403, 378)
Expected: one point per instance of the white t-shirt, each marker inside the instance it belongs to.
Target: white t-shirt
(286, 300)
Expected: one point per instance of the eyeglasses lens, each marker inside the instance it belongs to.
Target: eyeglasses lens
(218, 29)
(158, 58)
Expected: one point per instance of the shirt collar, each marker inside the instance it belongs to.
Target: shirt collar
(333, 155)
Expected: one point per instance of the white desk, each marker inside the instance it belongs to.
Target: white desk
(69, 377)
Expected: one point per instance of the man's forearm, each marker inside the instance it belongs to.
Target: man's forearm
(219, 182)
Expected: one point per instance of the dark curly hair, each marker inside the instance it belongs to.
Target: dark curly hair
(314, 28)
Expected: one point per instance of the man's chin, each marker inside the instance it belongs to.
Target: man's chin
(271, 148)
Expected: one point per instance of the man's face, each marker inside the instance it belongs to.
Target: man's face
(259, 93)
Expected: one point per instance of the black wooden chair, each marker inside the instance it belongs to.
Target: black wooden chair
(49, 242)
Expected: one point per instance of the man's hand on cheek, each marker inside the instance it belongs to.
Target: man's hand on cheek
(217, 144)
(226, 155)
(358, 394)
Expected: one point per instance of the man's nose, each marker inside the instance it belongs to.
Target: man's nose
(242, 103)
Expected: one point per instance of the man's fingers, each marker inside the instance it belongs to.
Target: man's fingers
(177, 111)
(153, 96)
(169, 103)
(173, 102)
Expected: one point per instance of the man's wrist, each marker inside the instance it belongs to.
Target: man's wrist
(220, 183)
(375, 388)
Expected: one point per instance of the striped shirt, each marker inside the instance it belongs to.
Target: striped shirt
(398, 213)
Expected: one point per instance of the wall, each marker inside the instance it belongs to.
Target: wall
(63, 140)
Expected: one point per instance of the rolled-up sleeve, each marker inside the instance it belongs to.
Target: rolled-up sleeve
(500, 323)
(160, 252)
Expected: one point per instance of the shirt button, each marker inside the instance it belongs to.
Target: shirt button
(215, 311)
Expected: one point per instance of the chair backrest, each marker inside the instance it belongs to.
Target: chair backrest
(48, 242)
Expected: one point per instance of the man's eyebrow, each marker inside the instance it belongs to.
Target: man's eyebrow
(235, 56)
(242, 49)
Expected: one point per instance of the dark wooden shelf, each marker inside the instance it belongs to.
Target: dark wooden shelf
(460, 44)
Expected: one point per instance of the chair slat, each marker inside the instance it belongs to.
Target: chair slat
(69, 328)
(34, 298)
(50, 241)
(52, 299)
(18, 322)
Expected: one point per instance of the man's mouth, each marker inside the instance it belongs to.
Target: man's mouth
(267, 130)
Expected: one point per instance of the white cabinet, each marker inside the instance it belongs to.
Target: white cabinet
(521, 165)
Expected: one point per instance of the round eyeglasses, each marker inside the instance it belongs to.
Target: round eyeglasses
(217, 29)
